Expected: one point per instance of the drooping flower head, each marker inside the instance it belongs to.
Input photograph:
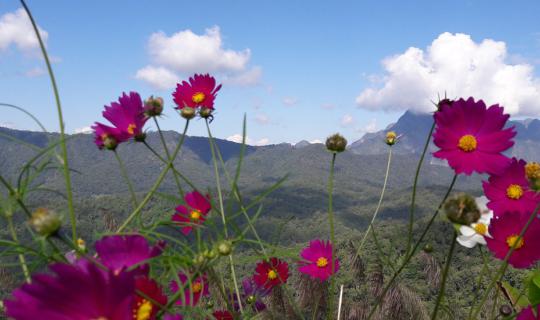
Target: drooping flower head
(194, 213)
(471, 137)
(76, 293)
(473, 234)
(272, 273)
(505, 230)
(223, 315)
(317, 260)
(192, 291)
(128, 115)
(143, 308)
(201, 92)
(510, 190)
(527, 314)
(119, 252)
(107, 137)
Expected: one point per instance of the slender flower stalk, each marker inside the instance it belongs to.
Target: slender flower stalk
(125, 175)
(65, 163)
(175, 175)
(378, 204)
(22, 259)
(332, 231)
(444, 276)
(156, 185)
(222, 211)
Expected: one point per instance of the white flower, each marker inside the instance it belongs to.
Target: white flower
(474, 234)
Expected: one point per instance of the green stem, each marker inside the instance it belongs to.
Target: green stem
(175, 175)
(157, 183)
(444, 276)
(409, 255)
(22, 259)
(416, 176)
(332, 234)
(504, 266)
(378, 204)
(222, 211)
(125, 175)
(63, 146)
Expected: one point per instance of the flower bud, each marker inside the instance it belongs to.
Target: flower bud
(210, 254)
(224, 248)
(428, 248)
(391, 138)
(444, 102)
(251, 299)
(45, 222)
(210, 304)
(462, 209)
(140, 137)
(153, 107)
(532, 170)
(205, 113)
(506, 310)
(81, 244)
(187, 113)
(110, 143)
(199, 260)
(336, 143)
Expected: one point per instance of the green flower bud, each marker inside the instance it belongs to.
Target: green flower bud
(187, 113)
(336, 143)
(45, 222)
(140, 137)
(428, 248)
(224, 248)
(153, 107)
(205, 113)
(462, 209)
(199, 260)
(251, 299)
(110, 143)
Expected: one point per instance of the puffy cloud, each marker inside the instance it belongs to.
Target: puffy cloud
(9, 125)
(370, 127)
(457, 65)
(84, 130)
(238, 139)
(262, 119)
(186, 52)
(290, 101)
(347, 120)
(158, 77)
(315, 141)
(16, 29)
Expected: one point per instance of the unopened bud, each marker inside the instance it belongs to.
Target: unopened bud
(506, 310)
(205, 113)
(110, 143)
(199, 259)
(224, 248)
(532, 170)
(81, 244)
(462, 209)
(251, 299)
(444, 102)
(391, 138)
(336, 143)
(45, 222)
(140, 137)
(428, 248)
(210, 254)
(153, 107)
(187, 113)
(210, 304)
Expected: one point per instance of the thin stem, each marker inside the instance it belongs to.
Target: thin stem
(168, 157)
(125, 175)
(378, 204)
(222, 211)
(409, 255)
(340, 302)
(416, 175)
(444, 276)
(63, 146)
(156, 185)
(332, 233)
(22, 259)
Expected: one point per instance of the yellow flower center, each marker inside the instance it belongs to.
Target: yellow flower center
(198, 97)
(131, 128)
(272, 274)
(322, 262)
(196, 287)
(467, 143)
(514, 191)
(512, 241)
(195, 215)
(480, 228)
(144, 310)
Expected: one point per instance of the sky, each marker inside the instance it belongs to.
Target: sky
(298, 70)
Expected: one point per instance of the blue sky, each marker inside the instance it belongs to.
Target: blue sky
(306, 67)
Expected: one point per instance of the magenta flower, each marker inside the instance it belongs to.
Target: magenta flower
(471, 137)
(527, 314)
(272, 273)
(199, 92)
(223, 315)
(510, 191)
(317, 261)
(147, 309)
(74, 293)
(504, 232)
(107, 137)
(192, 293)
(119, 252)
(128, 114)
(195, 213)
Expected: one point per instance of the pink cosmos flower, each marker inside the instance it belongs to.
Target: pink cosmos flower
(199, 92)
(107, 137)
(118, 252)
(193, 214)
(223, 315)
(510, 190)
(193, 292)
(527, 314)
(128, 114)
(504, 231)
(272, 273)
(73, 292)
(471, 137)
(147, 309)
(317, 261)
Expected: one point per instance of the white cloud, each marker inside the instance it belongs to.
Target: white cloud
(370, 127)
(457, 65)
(16, 29)
(315, 141)
(34, 72)
(262, 119)
(185, 53)
(347, 120)
(238, 139)
(158, 77)
(9, 125)
(84, 130)
(290, 101)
